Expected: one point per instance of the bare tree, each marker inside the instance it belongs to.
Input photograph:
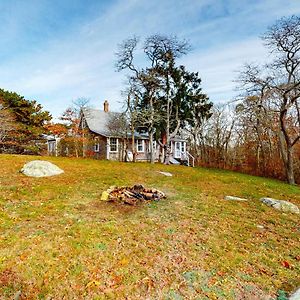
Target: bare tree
(143, 85)
(71, 117)
(278, 83)
(79, 104)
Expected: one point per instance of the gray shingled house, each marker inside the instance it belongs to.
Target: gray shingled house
(108, 144)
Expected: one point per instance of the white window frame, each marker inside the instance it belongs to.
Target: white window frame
(177, 151)
(96, 147)
(183, 147)
(117, 145)
(142, 144)
(51, 146)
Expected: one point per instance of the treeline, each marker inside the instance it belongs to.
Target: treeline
(233, 139)
(22, 122)
(260, 133)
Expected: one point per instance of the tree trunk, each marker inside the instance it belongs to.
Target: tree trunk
(167, 154)
(290, 167)
(76, 148)
(152, 158)
(133, 145)
(287, 157)
(167, 145)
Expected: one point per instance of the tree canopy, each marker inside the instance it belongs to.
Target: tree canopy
(164, 95)
(25, 120)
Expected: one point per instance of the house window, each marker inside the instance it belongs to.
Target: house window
(51, 146)
(182, 146)
(113, 145)
(177, 150)
(140, 146)
(96, 147)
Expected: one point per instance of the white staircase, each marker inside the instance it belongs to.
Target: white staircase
(173, 161)
(190, 160)
(185, 156)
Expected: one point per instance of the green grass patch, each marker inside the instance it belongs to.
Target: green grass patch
(59, 240)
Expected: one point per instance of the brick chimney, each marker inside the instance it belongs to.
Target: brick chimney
(106, 106)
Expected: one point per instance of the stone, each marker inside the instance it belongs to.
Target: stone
(166, 174)
(260, 227)
(40, 168)
(17, 295)
(281, 205)
(235, 198)
(295, 295)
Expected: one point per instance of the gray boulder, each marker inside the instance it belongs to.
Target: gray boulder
(295, 295)
(235, 198)
(166, 173)
(282, 205)
(40, 168)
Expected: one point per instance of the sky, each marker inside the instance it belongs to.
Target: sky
(56, 51)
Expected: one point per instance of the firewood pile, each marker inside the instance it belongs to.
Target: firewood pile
(132, 195)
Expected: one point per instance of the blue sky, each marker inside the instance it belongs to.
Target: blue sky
(58, 50)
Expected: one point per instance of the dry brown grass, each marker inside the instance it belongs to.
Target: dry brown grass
(60, 241)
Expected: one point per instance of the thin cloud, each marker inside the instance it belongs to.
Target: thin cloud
(77, 57)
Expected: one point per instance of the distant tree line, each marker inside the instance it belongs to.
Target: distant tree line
(260, 132)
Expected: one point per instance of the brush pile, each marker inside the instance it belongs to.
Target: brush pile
(132, 195)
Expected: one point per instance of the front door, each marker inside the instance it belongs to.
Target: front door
(177, 150)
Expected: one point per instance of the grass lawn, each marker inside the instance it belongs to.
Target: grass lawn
(58, 240)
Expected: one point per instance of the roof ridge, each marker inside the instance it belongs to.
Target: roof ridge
(100, 110)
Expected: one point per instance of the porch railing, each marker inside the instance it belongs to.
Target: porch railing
(189, 158)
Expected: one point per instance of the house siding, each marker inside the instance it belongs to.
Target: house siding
(100, 136)
(101, 140)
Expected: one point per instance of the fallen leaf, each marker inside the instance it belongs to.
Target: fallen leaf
(93, 283)
(286, 264)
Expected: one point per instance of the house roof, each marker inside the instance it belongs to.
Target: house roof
(97, 120)
(49, 137)
(178, 139)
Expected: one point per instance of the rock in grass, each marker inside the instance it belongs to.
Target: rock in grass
(40, 168)
(165, 173)
(17, 295)
(295, 295)
(282, 205)
(235, 198)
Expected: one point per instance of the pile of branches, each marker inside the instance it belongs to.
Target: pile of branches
(132, 195)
